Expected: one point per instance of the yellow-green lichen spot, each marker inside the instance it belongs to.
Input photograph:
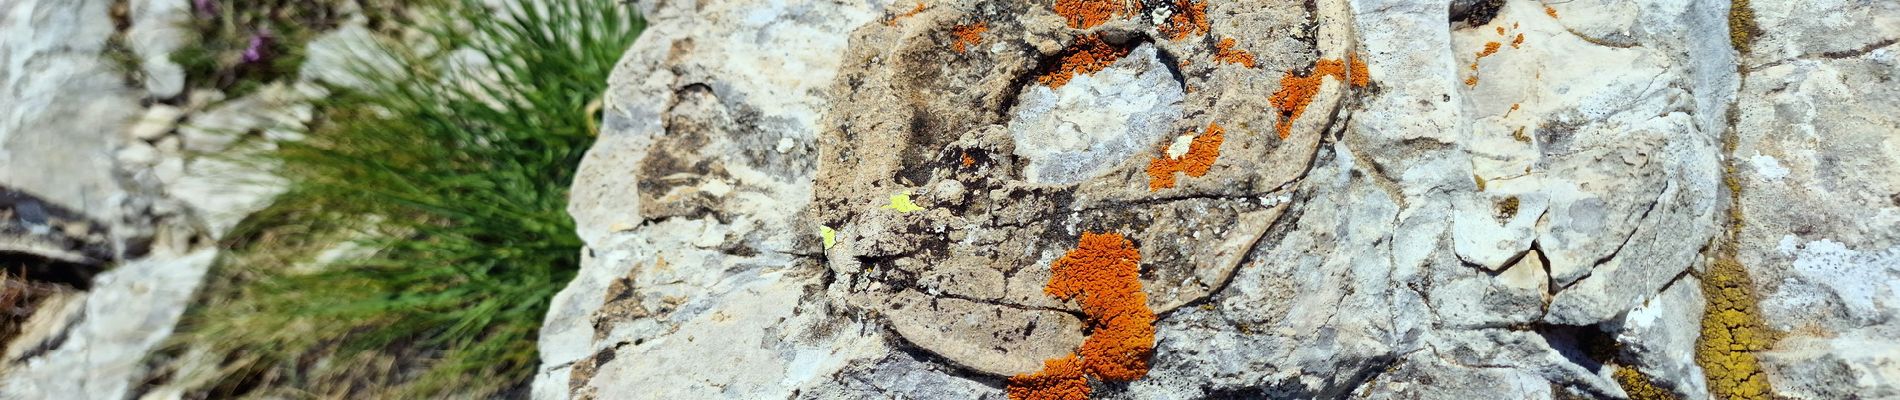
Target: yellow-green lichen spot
(901, 202)
(830, 236)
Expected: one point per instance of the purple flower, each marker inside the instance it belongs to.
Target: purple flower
(206, 8)
(259, 47)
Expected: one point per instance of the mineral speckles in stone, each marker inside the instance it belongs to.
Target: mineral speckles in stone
(1199, 156)
(1088, 55)
(1084, 14)
(1102, 273)
(968, 35)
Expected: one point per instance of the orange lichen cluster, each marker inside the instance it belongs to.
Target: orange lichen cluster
(1358, 74)
(968, 35)
(1517, 42)
(1489, 49)
(1552, 12)
(1189, 19)
(1296, 92)
(1088, 55)
(1103, 275)
(1500, 31)
(1226, 52)
(1060, 379)
(1084, 14)
(892, 21)
(1199, 158)
(967, 160)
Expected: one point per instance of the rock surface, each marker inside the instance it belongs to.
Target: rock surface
(1819, 169)
(117, 182)
(1522, 202)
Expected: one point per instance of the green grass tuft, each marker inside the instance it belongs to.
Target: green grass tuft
(458, 191)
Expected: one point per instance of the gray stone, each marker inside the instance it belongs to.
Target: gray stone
(1819, 171)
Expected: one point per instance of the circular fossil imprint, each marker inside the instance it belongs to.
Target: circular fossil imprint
(975, 143)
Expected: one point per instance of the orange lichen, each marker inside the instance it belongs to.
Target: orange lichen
(1060, 379)
(968, 35)
(892, 21)
(1489, 49)
(1102, 274)
(1517, 42)
(1360, 78)
(1552, 12)
(1225, 52)
(1200, 156)
(1084, 14)
(1500, 31)
(1088, 55)
(967, 160)
(1296, 92)
(1189, 19)
(1471, 81)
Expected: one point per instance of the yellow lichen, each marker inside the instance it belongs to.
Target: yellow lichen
(1732, 332)
(1741, 25)
(901, 202)
(1639, 386)
(829, 236)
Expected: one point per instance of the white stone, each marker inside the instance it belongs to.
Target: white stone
(1076, 132)
(137, 155)
(156, 122)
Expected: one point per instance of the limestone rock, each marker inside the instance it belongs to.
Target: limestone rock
(1513, 202)
(1818, 168)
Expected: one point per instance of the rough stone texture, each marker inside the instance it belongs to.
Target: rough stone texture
(121, 198)
(99, 352)
(1820, 178)
(1519, 222)
(63, 105)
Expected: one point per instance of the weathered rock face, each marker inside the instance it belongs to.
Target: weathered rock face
(116, 181)
(1818, 161)
(1378, 199)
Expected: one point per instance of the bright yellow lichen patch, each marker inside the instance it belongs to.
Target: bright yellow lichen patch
(901, 202)
(828, 235)
(1103, 275)
(1199, 158)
